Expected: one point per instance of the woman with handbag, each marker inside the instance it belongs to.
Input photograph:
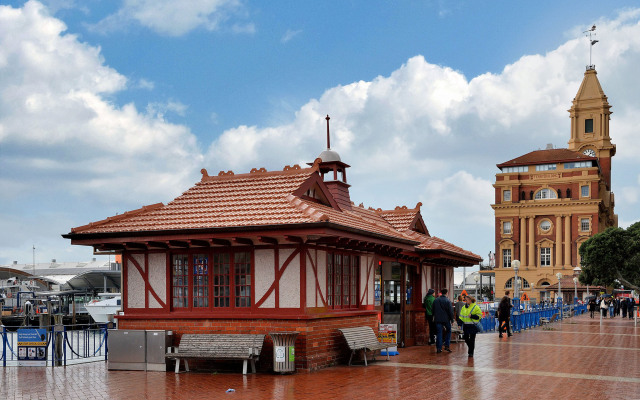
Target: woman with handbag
(470, 315)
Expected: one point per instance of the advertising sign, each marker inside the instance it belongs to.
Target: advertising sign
(32, 347)
(377, 292)
(388, 333)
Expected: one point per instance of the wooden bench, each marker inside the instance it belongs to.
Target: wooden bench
(544, 321)
(456, 334)
(363, 338)
(218, 347)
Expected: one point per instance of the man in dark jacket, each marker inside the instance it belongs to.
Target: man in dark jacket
(428, 306)
(504, 314)
(443, 317)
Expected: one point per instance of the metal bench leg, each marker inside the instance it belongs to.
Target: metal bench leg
(350, 358)
(364, 354)
(253, 366)
(244, 367)
(387, 350)
(186, 365)
(177, 365)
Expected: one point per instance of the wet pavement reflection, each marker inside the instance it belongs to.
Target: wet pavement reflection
(575, 358)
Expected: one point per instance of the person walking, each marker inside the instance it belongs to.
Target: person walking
(428, 307)
(592, 306)
(603, 307)
(470, 314)
(443, 317)
(623, 307)
(504, 315)
(456, 310)
(632, 304)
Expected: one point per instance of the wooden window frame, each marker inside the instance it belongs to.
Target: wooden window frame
(240, 282)
(343, 272)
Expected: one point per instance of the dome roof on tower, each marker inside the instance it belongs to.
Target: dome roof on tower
(329, 156)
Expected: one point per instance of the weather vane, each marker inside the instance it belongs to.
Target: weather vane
(591, 33)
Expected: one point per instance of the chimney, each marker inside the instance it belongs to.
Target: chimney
(549, 146)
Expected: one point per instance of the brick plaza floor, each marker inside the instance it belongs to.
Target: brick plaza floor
(579, 358)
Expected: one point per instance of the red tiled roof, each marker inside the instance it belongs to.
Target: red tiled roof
(264, 198)
(435, 243)
(547, 156)
(222, 201)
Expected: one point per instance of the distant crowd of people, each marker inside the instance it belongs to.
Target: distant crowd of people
(624, 306)
(440, 315)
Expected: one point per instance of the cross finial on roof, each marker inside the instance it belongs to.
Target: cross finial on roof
(328, 138)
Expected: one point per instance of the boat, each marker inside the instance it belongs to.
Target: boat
(104, 308)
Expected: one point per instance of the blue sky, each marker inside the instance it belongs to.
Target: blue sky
(106, 106)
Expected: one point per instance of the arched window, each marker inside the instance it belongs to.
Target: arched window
(545, 283)
(568, 193)
(524, 284)
(559, 193)
(546, 194)
(522, 196)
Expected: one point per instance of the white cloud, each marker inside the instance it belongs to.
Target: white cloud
(428, 133)
(290, 34)
(176, 18)
(56, 116)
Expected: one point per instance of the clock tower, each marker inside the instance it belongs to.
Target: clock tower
(590, 114)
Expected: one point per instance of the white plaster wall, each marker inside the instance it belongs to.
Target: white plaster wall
(158, 278)
(135, 287)
(290, 281)
(264, 274)
(311, 279)
(423, 280)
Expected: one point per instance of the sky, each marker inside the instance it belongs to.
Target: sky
(106, 106)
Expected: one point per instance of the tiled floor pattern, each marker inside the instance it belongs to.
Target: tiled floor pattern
(579, 358)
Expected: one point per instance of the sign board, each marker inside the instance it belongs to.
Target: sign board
(281, 353)
(32, 347)
(388, 333)
(377, 290)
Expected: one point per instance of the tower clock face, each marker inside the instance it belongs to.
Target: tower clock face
(589, 152)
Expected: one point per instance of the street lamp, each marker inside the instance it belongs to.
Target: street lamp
(559, 276)
(477, 278)
(515, 264)
(575, 288)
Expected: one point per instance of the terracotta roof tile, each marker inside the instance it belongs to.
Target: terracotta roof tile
(263, 198)
(547, 156)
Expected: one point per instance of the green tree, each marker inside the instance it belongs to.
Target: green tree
(612, 257)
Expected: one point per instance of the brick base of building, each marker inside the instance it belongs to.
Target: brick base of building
(319, 343)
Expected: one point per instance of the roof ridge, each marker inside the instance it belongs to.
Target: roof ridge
(261, 171)
(306, 209)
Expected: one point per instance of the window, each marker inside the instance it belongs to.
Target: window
(506, 258)
(546, 167)
(506, 228)
(585, 224)
(523, 168)
(200, 280)
(180, 281)
(545, 256)
(523, 283)
(343, 275)
(506, 195)
(584, 190)
(212, 279)
(545, 225)
(546, 194)
(579, 164)
(588, 126)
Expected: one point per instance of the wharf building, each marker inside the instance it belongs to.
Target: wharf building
(273, 251)
(548, 202)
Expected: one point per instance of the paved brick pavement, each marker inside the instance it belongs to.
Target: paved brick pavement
(578, 358)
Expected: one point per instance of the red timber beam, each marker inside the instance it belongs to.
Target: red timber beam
(242, 241)
(268, 240)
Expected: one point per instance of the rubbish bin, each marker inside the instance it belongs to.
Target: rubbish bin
(284, 351)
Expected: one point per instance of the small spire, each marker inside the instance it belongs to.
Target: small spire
(328, 138)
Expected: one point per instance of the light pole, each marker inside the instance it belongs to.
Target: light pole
(477, 278)
(515, 264)
(575, 288)
(559, 276)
